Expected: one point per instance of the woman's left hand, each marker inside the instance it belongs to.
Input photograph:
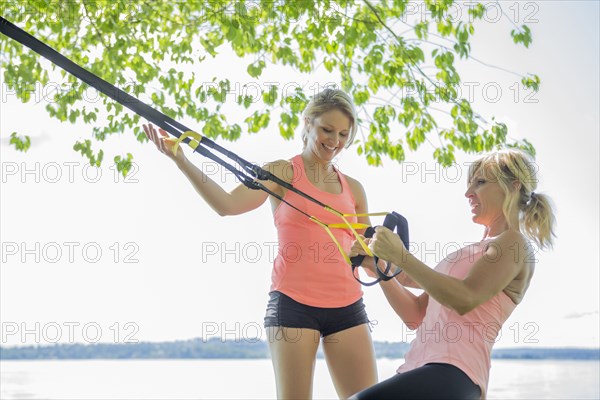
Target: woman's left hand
(388, 246)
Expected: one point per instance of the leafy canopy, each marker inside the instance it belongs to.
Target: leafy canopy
(397, 64)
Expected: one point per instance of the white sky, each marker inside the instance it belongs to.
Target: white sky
(199, 274)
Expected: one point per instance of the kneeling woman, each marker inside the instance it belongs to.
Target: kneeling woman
(471, 293)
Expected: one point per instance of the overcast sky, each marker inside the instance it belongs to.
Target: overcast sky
(88, 255)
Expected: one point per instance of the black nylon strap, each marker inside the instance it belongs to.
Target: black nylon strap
(151, 114)
(394, 222)
(134, 104)
(165, 122)
(250, 172)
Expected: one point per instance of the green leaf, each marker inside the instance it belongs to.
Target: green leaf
(124, 164)
(21, 144)
(401, 93)
(522, 36)
(256, 69)
(531, 82)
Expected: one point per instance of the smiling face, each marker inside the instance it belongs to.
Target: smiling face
(486, 198)
(500, 193)
(327, 134)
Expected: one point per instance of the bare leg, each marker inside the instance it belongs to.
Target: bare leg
(351, 360)
(293, 352)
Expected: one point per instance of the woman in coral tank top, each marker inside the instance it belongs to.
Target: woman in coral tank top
(470, 294)
(314, 297)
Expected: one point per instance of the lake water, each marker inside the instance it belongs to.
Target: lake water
(253, 379)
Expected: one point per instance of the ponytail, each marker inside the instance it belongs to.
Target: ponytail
(537, 220)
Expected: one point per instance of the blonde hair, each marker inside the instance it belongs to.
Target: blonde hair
(516, 174)
(332, 99)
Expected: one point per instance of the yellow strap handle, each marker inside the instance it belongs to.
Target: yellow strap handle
(356, 225)
(377, 214)
(347, 225)
(352, 228)
(339, 246)
(194, 143)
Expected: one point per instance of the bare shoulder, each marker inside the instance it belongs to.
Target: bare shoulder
(514, 245)
(509, 243)
(357, 188)
(352, 181)
(281, 169)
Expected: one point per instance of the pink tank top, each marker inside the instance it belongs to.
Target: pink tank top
(309, 267)
(464, 341)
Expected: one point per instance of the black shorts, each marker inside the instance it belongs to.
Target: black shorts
(286, 312)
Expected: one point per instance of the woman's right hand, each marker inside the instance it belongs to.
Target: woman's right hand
(368, 263)
(164, 143)
(357, 249)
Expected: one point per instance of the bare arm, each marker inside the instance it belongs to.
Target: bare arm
(240, 200)
(360, 197)
(409, 307)
(361, 207)
(407, 281)
(492, 273)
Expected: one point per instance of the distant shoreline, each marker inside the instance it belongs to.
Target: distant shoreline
(217, 349)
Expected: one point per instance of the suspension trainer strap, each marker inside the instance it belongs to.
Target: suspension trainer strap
(394, 222)
(248, 175)
(165, 122)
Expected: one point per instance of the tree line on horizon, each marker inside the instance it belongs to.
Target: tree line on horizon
(215, 348)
